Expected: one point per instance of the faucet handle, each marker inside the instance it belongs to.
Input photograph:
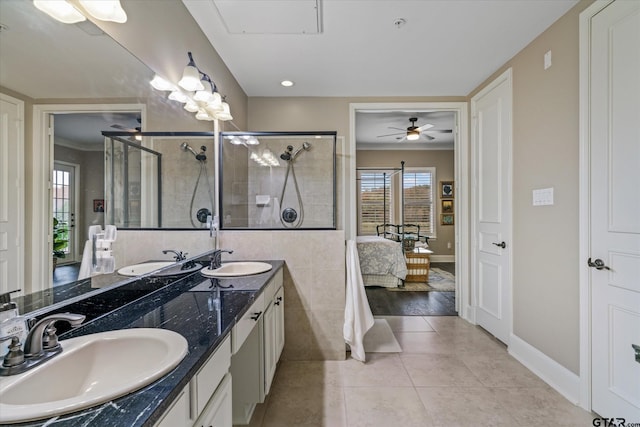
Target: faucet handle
(50, 339)
(15, 355)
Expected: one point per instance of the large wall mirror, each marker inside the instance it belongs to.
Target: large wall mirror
(77, 80)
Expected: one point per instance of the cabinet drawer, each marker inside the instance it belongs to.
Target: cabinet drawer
(178, 413)
(245, 325)
(211, 373)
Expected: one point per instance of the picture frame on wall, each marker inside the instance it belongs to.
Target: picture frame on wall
(446, 189)
(446, 219)
(98, 205)
(447, 206)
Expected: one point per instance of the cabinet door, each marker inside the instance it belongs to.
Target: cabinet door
(178, 413)
(279, 323)
(218, 412)
(270, 357)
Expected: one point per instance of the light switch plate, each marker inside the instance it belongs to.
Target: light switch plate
(543, 196)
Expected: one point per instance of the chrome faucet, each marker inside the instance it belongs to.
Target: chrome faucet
(37, 348)
(33, 343)
(216, 258)
(179, 256)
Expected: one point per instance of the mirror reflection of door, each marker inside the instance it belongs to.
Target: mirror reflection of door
(64, 211)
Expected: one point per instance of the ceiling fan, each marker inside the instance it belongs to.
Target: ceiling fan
(127, 129)
(413, 132)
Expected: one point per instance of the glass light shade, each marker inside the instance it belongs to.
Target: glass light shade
(191, 106)
(203, 95)
(225, 114)
(202, 114)
(191, 79)
(105, 10)
(236, 141)
(60, 10)
(160, 83)
(179, 96)
(215, 103)
(412, 135)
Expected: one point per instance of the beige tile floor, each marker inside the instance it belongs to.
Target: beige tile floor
(449, 374)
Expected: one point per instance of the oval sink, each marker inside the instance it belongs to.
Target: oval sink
(148, 267)
(144, 268)
(91, 370)
(239, 268)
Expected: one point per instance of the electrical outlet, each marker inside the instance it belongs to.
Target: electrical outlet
(448, 245)
(547, 60)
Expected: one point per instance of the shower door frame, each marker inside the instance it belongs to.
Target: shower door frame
(222, 136)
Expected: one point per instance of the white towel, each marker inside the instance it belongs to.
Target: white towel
(85, 266)
(358, 318)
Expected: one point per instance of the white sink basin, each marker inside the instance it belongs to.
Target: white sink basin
(91, 370)
(235, 269)
(148, 267)
(144, 268)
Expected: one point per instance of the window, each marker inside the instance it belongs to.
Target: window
(375, 196)
(418, 199)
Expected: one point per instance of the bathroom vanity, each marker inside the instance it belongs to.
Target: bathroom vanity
(235, 337)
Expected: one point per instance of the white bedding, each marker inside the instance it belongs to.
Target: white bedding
(382, 261)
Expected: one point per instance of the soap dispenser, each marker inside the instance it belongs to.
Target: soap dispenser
(11, 324)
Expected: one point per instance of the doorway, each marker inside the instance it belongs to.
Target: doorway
(45, 118)
(458, 263)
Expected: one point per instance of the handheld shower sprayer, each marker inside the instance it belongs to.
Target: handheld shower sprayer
(199, 156)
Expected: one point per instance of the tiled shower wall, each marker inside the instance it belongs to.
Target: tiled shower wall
(314, 277)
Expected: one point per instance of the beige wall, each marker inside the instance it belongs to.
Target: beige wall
(442, 160)
(545, 154)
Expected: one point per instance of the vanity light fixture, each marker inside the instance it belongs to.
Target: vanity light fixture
(197, 91)
(67, 13)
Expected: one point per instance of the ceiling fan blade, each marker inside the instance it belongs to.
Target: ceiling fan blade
(391, 127)
(426, 127)
(391, 134)
(440, 131)
(117, 126)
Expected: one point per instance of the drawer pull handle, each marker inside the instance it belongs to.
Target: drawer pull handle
(256, 316)
(278, 300)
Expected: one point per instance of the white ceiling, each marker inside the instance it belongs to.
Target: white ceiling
(446, 47)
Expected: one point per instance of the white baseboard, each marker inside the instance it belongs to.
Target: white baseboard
(442, 258)
(557, 376)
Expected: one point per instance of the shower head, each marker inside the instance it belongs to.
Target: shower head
(199, 156)
(305, 146)
(186, 147)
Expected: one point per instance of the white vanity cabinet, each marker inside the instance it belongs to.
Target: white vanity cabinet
(207, 397)
(254, 362)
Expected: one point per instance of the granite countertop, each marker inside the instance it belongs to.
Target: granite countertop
(177, 307)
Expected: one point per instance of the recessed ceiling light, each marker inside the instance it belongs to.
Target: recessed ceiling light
(286, 83)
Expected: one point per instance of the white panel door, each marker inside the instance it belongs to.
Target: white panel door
(491, 110)
(615, 210)
(11, 194)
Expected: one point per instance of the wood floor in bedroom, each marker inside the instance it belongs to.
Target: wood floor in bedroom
(385, 303)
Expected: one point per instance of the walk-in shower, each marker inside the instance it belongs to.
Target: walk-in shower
(278, 180)
(203, 214)
(289, 217)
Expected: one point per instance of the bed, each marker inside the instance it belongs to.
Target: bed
(382, 261)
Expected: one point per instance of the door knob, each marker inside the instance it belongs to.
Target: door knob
(501, 244)
(598, 264)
